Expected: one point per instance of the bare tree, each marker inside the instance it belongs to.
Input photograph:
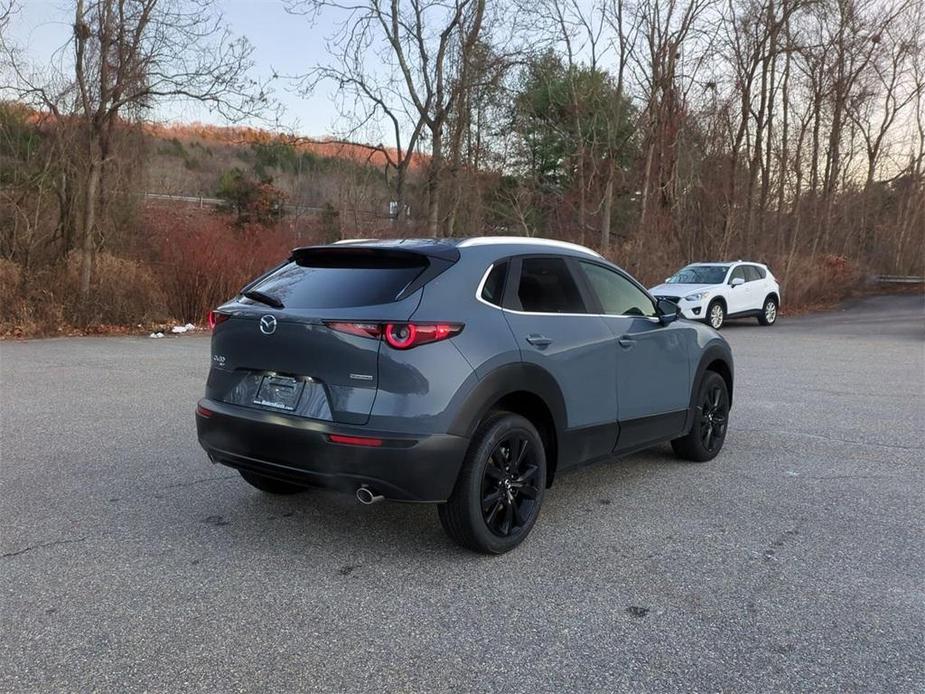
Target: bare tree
(480, 73)
(624, 37)
(676, 38)
(127, 57)
(366, 97)
(412, 42)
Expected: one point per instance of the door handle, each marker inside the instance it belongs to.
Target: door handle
(539, 340)
(626, 341)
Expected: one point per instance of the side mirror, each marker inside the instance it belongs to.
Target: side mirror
(668, 311)
(737, 281)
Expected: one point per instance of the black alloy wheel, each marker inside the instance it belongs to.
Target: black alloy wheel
(500, 488)
(510, 485)
(711, 421)
(714, 415)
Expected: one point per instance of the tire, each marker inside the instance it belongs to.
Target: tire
(270, 485)
(711, 421)
(716, 314)
(500, 488)
(768, 314)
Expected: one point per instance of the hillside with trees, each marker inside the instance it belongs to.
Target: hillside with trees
(788, 131)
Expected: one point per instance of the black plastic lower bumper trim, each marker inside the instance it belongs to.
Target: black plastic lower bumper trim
(403, 468)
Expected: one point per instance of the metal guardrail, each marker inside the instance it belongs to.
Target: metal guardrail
(217, 202)
(196, 200)
(900, 279)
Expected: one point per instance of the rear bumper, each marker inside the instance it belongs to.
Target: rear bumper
(295, 449)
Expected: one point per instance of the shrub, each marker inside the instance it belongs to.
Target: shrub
(122, 292)
(252, 201)
(10, 285)
(204, 259)
(816, 282)
(28, 307)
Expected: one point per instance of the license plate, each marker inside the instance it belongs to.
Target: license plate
(281, 392)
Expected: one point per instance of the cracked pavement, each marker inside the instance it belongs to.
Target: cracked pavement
(794, 561)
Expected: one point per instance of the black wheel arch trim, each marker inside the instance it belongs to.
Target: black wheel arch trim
(505, 381)
(716, 351)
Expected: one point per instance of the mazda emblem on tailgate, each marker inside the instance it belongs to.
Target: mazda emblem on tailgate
(268, 325)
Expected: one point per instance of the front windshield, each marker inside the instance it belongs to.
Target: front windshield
(699, 274)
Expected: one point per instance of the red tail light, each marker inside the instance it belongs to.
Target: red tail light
(408, 335)
(215, 318)
(400, 335)
(361, 329)
(354, 440)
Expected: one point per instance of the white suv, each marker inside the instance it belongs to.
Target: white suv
(713, 292)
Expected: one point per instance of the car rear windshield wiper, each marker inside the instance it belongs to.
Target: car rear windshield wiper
(255, 295)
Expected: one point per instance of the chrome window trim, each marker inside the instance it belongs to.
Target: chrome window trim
(478, 297)
(481, 287)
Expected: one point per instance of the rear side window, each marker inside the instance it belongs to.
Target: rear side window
(342, 280)
(618, 296)
(753, 272)
(493, 290)
(547, 286)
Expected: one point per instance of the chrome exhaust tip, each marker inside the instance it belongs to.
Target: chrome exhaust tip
(366, 496)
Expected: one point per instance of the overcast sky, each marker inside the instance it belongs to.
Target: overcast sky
(282, 42)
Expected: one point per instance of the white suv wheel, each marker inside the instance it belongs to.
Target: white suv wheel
(768, 312)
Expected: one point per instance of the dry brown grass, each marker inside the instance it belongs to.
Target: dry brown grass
(123, 293)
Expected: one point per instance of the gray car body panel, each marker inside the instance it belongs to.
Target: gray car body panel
(611, 384)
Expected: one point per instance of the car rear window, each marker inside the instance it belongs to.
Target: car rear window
(342, 279)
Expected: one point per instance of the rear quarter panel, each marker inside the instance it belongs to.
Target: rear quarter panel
(424, 388)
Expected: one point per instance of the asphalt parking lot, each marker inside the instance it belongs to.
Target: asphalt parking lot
(794, 561)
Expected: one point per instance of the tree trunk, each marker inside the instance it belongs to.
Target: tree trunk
(646, 184)
(89, 227)
(401, 172)
(607, 210)
(784, 166)
(454, 206)
(67, 225)
(433, 184)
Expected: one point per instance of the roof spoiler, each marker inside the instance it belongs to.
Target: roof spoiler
(376, 253)
(432, 259)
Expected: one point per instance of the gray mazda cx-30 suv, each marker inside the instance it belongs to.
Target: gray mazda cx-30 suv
(464, 372)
